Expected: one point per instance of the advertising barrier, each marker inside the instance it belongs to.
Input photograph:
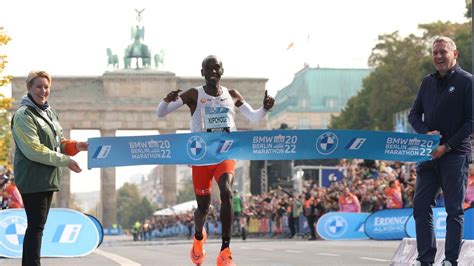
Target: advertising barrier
(469, 224)
(439, 222)
(98, 225)
(387, 224)
(342, 225)
(68, 233)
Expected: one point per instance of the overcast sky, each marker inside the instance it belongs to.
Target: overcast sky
(251, 36)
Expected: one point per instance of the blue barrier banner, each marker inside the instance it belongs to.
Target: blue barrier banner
(388, 224)
(439, 222)
(469, 224)
(211, 148)
(113, 231)
(68, 233)
(98, 225)
(342, 225)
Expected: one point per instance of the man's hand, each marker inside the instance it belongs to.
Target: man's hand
(438, 152)
(268, 101)
(172, 96)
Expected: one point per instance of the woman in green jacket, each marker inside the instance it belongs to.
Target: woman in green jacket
(41, 150)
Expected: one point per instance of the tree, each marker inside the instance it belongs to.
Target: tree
(355, 114)
(390, 88)
(5, 104)
(131, 207)
(469, 9)
(398, 70)
(399, 66)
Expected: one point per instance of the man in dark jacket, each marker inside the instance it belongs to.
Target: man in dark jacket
(443, 106)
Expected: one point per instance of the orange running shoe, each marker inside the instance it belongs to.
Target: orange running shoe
(225, 258)
(198, 254)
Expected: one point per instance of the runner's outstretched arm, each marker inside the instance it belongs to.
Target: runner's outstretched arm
(248, 111)
(171, 102)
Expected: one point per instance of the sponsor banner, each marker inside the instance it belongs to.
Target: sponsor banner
(439, 222)
(469, 224)
(100, 228)
(330, 175)
(68, 233)
(342, 225)
(113, 231)
(388, 224)
(211, 148)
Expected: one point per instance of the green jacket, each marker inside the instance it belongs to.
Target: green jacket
(38, 148)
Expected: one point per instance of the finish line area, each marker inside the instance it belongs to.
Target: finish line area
(117, 250)
(272, 145)
(121, 250)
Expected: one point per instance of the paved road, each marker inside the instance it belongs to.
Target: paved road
(262, 252)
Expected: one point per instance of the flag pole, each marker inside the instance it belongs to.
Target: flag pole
(308, 49)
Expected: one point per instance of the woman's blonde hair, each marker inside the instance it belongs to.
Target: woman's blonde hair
(34, 74)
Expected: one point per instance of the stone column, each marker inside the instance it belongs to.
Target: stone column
(108, 193)
(64, 195)
(169, 179)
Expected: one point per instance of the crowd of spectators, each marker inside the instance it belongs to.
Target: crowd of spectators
(10, 197)
(366, 186)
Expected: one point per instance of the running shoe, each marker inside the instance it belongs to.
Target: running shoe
(197, 253)
(225, 258)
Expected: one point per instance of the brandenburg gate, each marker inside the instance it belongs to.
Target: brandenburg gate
(126, 99)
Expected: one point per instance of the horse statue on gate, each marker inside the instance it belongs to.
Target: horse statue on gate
(112, 59)
(159, 58)
(126, 60)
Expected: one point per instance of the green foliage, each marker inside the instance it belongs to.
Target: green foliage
(131, 207)
(399, 66)
(463, 40)
(395, 81)
(5, 104)
(469, 9)
(355, 115)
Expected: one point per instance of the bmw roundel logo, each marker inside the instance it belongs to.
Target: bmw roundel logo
(335, 226)
(12, 233)
(196, 147)
(326, 143)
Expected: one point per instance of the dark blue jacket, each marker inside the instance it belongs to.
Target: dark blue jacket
(446, 104)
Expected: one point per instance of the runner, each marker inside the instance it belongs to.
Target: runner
(217, 102)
